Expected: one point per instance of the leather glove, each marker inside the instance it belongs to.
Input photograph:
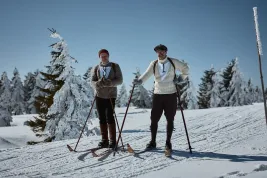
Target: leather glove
(176, 81)
(136, 81)
(179, 83)
(99, 84)
(107, 83)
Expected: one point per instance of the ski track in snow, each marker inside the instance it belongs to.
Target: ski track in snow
(211, 132)
(258, 168)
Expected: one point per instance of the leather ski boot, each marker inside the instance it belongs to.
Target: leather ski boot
(151, 145)
(104, 133)
(168, 149)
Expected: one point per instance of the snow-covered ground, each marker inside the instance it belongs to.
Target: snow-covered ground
(17, 135)
(227, 142)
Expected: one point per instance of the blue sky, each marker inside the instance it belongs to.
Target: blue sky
(200, 32)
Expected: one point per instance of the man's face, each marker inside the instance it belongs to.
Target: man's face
(161, 54)
(104, 57)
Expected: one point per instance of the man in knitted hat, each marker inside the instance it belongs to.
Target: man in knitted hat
(105, 78)
(164, 97)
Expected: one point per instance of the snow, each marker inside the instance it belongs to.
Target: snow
(228, 142)
(18, 134)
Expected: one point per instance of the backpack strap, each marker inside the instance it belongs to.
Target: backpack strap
(172, 66)
(169, 59)
(95, 71)
(154, 66)
(113, 66)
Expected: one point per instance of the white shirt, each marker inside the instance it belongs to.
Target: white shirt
(163, 67)
(104, 71)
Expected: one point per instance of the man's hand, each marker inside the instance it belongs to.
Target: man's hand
(180, 83)
(136, 81)
(99, 84)
(107, 83)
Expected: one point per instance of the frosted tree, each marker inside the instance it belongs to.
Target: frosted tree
(5, 101)
(249, 92)
(71, 105)
(87, 75)
(236, 88)
(151, 92)
(258, 97)
(5, 117)
(87, 78)
(215, 99)
(189, 95)
(225, 84)
(29, 83)
(140, 97)
(38, 124)
(122, 99)
(17, 94)
(29, 86)
(205, 88)
(5, 95)
(54, 70)
(36, 92)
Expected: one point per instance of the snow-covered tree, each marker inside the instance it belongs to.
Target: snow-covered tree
(189, 95)
(205, 89)
(122, 99)
(258, 95)
(38, 124)
(5, 95)
(226, 79)
(29, 87)
(87, 78)
(71, 105)
(215, 99)
(249, 92)
(17, 94)
(5, 101)
(29, 83)
(54, 70)
(87, 75)
(151, 93)
(140, 96)
(236, 88)
(5, 117)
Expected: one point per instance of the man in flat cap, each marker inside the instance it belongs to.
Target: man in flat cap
(165, 92)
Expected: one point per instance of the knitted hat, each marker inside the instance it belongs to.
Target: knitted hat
(103, 51)
(160, 47)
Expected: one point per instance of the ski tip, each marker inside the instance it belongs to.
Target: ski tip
(70, 148)
(129, 148)
(168, 153)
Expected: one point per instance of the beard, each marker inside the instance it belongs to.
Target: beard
(161, 57)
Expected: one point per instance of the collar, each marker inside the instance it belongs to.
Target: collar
(105, 65)
(163, 61)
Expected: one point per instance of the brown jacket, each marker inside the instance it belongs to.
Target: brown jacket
(115, 77)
